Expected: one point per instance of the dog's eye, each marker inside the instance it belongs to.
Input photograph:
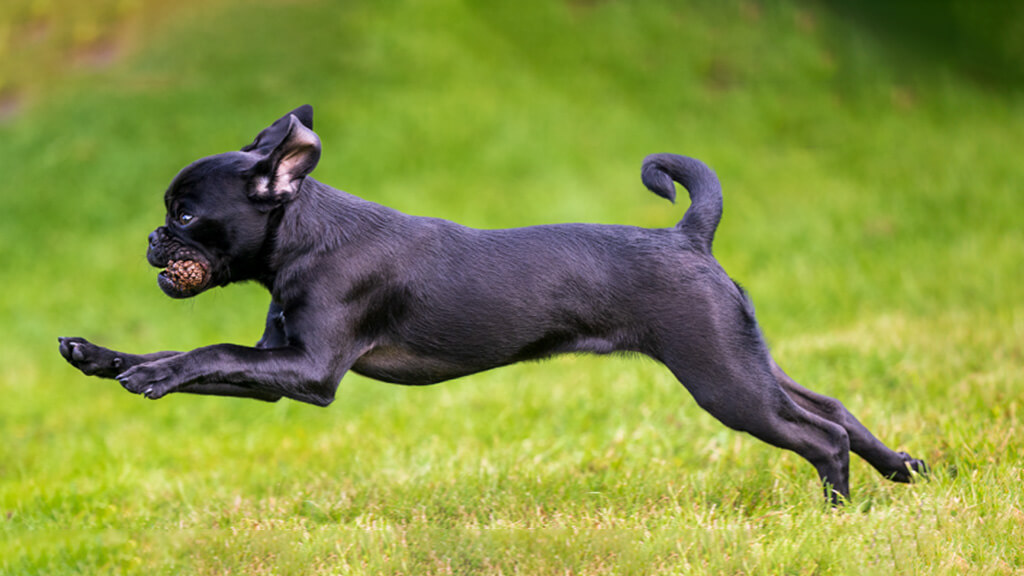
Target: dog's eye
(185, 218)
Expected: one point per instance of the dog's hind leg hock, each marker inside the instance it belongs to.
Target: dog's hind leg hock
(755, 403)
(896, 466)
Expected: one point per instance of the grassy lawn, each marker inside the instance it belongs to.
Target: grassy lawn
(873, 204)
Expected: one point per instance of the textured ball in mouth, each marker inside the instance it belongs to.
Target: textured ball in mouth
(185, 277)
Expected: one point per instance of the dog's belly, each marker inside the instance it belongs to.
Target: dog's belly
(398, 365)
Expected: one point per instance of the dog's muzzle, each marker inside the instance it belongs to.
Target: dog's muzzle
(185, 272)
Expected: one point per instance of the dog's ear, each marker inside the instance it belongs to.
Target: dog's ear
(305, 115)
(289, 151)
(275, 131)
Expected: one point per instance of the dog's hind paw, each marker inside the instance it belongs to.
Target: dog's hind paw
(913, 469)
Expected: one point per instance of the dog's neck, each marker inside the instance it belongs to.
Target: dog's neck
(322, 219)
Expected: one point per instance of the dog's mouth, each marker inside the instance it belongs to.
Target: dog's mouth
(184, 278)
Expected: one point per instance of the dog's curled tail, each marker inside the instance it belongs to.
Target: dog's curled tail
(701, 219)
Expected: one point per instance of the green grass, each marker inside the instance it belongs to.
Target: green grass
(872, 210)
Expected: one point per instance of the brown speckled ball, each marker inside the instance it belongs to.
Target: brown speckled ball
(185, 274)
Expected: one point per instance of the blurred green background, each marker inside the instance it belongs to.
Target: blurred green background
(870, 158)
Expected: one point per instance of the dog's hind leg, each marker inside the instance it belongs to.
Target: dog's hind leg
(749, 399)
(896, 466)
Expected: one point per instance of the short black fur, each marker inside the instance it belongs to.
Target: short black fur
(356, 286)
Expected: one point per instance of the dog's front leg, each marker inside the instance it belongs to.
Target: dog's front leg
(102, 362)
(273, 337)
(95, 360)
(228, 369)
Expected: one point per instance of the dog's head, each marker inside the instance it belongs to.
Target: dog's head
(221, 210)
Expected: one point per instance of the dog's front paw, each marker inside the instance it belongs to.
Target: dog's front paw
(153, 380)
(91, 359)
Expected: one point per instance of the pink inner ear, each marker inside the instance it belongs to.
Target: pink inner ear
(283, 180)
(302, 147)
(291, 169)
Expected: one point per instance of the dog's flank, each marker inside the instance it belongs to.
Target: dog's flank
(356, 286)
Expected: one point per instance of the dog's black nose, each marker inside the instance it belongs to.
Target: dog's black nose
(153, 238)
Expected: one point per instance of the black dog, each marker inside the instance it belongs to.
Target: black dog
(410, 300)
